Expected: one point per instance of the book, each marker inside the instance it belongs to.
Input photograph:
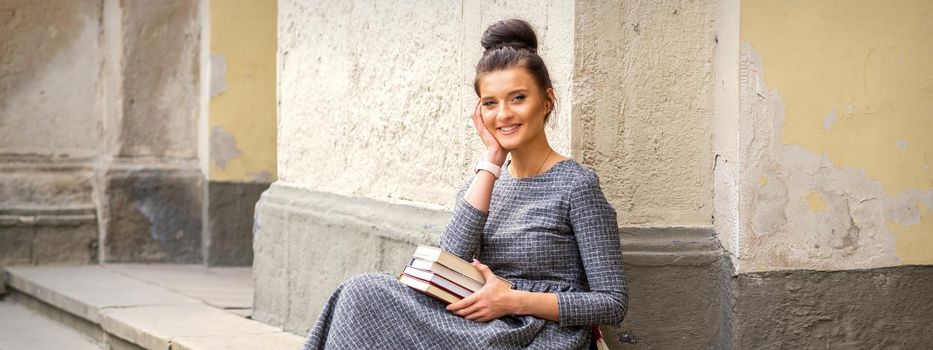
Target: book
(428, 288)
(598, 338)
(453, 262)
(438, 280)
(447, 273)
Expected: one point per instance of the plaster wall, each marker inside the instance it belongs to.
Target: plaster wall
(54, 82)
(642, 96)
(239, 134)
(242, 104)
(160, 47)
(98, 132)
(834, 135)
(379, 108)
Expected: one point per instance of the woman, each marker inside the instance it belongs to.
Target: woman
(539, 220)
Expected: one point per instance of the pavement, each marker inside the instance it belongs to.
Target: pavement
(133, 306)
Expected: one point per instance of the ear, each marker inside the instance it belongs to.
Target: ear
(551, 98)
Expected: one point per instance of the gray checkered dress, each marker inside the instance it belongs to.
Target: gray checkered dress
(554, 232)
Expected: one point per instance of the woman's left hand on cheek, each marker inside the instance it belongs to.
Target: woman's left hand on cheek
(489, 303)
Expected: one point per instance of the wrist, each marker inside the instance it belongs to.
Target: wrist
(495, 157)
(516, 303)
(488, 167)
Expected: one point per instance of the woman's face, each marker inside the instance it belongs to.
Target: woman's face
(513, 107)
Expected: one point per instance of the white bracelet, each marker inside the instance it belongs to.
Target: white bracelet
(488, 166)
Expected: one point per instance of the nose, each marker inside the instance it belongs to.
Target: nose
(504, 112)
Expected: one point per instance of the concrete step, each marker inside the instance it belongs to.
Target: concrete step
(150, 306)
(25, 329)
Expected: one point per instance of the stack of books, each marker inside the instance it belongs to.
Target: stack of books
(445, 276)
(442, 275)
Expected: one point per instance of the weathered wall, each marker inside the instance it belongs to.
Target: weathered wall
(379, 107)
(882, 308)
(640, 112)
(242, 124)
(823, 188)
(671, 103)
(160, 42)
(642, 96)
(368, 105)
(153, 186)
(47, 211)
(834, 135)
(642, 109)
(98, 142)
(33, 89)
(242, 104)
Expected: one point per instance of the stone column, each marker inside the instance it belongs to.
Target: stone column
(50, 68)
(98, 132)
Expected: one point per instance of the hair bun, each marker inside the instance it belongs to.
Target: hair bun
(515, 33)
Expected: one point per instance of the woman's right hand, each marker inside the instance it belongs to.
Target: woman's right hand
(495, 153)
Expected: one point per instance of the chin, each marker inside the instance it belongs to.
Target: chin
(509, 146)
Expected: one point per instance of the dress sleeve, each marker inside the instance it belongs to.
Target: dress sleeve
(596, 229)
(464, 231)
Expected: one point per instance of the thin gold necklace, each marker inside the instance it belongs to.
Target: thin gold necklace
(542, 163)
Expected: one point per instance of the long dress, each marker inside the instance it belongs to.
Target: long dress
(554, 232)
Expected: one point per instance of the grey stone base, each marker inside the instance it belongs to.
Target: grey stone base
(683, 291)
(230, 211)
(886, 308)
(678, 288)
(47, 212)
(154, 215)
(68, 211)
(48, 235)
(306, 243)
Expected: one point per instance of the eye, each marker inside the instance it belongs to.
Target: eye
(489, 103)
(519, 97)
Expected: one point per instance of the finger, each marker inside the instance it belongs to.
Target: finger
(484, 318)
(483, 132)
(473, 314)
(471, 309)
(478, 124)
(484, 269)
(469, 300)
(478, 113)
(477, 317)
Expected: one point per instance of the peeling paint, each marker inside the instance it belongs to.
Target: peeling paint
(815, 201)
(223, 147)
(829, 120)
(902, 145)
(218, 74)
(261, 176)
(823, 127)
(821, 58)
(906, 209)
(846, 220)
(848, 229)
(243, 91)
(913, 242)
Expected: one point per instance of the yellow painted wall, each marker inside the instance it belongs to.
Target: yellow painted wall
(856, 78)
(244, 33)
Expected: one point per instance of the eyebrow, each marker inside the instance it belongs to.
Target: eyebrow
(510, 93)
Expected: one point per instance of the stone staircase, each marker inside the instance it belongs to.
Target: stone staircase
(131, 306)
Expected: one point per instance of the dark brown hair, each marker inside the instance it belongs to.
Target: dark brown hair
(512, 43)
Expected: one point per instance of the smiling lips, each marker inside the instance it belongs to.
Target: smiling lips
(508, 130)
